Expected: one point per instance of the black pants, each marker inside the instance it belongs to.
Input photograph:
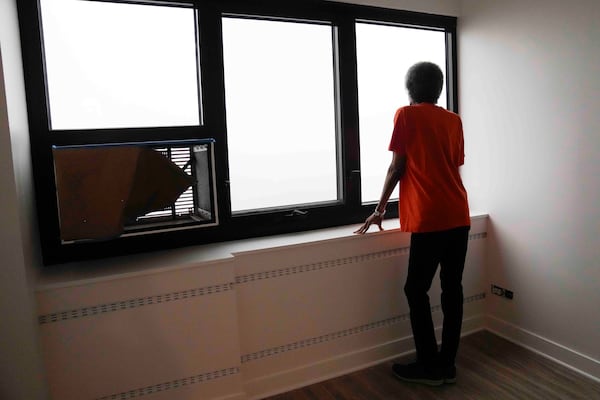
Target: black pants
(427, 250)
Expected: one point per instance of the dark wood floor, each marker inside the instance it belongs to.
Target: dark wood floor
(488, 367)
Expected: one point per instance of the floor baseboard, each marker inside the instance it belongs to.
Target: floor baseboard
(289, 380)
(556, 352)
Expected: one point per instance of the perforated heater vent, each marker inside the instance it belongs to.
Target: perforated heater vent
(277, 273)
(341, 334)
(175, 384)
(133, 303)
(208, 290)
(319, 265)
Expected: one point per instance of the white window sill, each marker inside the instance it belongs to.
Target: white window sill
(77, 273)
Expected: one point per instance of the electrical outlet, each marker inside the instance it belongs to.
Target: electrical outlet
(499, 291)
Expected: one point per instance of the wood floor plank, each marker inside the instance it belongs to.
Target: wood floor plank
(488, 368)
(318, 392)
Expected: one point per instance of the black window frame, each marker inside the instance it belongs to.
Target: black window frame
(350, 210)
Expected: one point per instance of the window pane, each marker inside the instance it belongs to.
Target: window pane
(121, 65)
(385, 53)
(279, 92)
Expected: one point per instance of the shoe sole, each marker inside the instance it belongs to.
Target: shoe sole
(450, 380)
(428, 382)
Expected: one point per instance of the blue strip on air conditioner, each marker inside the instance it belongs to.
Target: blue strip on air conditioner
(189, 142)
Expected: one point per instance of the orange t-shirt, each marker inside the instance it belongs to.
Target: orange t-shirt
(432, 195)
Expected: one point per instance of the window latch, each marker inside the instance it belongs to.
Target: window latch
(296, 213)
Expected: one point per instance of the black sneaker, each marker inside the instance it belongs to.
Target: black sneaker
(417, 373)
(449, 374)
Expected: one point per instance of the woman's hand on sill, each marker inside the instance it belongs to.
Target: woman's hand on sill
(371, 219)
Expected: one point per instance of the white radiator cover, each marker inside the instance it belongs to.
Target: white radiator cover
(251, 324)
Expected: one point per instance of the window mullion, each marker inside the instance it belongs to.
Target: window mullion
(348, 109)
(213, 98)
(451, 70)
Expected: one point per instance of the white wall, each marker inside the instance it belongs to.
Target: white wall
(529, 88)
(21, 374)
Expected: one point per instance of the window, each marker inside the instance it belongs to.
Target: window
(279, 90)
(142, 72)
(268, 117)
(384, 54)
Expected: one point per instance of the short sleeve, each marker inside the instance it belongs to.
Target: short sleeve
(400, 133)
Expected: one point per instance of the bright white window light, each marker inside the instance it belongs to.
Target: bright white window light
(117, 65)
(384, 54)
(280, 106)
